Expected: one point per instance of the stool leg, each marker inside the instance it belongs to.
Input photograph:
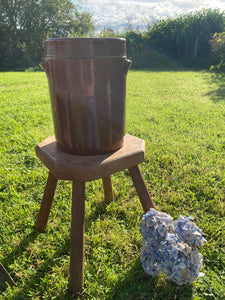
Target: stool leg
(141, 188)
(46, 203)
(108, 191)
(77, 237)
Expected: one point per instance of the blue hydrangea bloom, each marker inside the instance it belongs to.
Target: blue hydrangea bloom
(189, 232)
(171, 248)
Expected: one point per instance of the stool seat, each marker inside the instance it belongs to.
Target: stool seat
(79, 169)
(88, 168)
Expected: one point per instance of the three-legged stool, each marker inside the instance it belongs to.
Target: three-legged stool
(80, 169)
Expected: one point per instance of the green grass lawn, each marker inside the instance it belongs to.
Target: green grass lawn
(181, 116)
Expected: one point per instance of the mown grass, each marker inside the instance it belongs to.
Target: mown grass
(181, 116)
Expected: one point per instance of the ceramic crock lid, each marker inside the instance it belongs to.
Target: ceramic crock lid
(78, 48)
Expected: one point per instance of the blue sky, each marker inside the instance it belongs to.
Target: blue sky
(120, 14)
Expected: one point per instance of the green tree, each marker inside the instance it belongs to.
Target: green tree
(218, 51)
(107, 32)
(186, 38)
(24, 24)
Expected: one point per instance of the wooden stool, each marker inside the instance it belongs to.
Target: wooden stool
(80, 169)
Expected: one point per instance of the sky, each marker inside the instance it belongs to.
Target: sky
(138, 14)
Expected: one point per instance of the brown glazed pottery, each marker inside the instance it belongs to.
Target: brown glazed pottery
(87, 83)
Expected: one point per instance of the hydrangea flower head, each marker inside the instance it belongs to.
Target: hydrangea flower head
(171, 248)
(189, 232)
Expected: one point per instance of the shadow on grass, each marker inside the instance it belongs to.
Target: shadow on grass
(17, 251)
(33, 281)
(219, 93)
(140, 286)
(133, 285)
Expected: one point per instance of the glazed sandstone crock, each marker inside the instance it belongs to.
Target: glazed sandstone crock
(87, 84)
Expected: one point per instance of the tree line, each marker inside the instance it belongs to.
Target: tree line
(192, 40)
(25, 24)
(186, 39)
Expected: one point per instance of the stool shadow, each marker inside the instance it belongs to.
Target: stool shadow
(136, 284)
(40, 271)
(18, 250)
(49, 263)
(100, 210)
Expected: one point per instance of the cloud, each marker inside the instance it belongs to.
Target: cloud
(121, 14)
